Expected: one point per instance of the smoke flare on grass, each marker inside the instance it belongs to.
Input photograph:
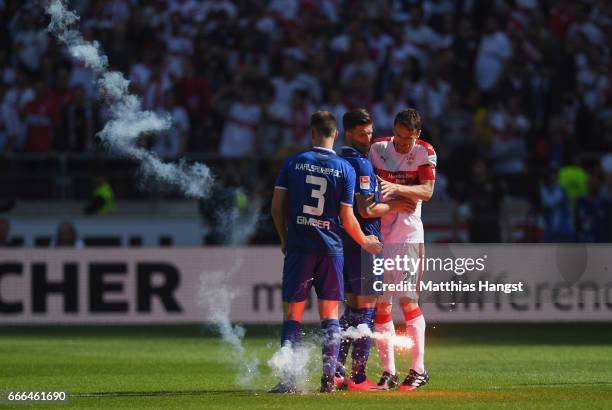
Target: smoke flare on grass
(128, 122)
(216, 297)
(362, 330)
(293, 365)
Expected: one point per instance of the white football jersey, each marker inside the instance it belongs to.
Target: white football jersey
(406, 169)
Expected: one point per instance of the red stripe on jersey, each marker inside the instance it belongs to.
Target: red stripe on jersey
(430, 150)
(427, 173)
(398, 177)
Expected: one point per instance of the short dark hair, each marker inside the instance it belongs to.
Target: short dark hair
(353, 118)
(323, 123)
(408, 118)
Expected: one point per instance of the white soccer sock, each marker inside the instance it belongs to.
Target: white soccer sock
(385, 346)
(415, 328)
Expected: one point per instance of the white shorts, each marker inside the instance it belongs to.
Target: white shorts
(402, 228)
(408, 279)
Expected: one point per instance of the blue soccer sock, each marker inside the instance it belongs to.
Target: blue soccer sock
(291, 332)
(361, 346)
(331, 346)
(346, 321)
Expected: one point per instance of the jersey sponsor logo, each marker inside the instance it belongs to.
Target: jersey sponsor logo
(317, 223)
(364, 182)
(398, 177)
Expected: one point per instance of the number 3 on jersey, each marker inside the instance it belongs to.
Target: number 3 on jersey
(316, 193)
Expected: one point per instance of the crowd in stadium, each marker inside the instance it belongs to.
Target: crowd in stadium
(515, 94)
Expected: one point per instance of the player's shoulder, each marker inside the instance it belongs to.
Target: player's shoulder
(379, 144)
(344, 163)
(426, 145)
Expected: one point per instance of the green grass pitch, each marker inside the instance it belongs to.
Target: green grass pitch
(181, 367)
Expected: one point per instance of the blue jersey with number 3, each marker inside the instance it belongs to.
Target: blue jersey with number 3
(317, 183)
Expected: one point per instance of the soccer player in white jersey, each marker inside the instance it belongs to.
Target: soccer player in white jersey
(405, 167)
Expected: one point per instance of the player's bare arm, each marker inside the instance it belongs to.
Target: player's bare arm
(369, 243)
(279, 202)
(368, 208)
(423, 191)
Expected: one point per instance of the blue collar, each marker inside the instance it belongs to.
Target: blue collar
(352, 150)
(331, 151)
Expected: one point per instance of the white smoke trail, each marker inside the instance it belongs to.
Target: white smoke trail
(128, 122)
(362, 330)
(216, 297)
(239, 223)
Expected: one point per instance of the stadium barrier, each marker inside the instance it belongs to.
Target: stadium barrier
(165, 285)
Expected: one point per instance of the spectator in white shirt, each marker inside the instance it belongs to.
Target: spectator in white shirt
(239, 131)
(360, 64)
(493, 52)
(383, 113)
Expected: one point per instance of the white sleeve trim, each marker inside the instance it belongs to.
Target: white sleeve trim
(280, 187)
(345, 204)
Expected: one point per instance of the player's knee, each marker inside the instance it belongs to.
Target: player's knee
(408, 304)
(383, 309)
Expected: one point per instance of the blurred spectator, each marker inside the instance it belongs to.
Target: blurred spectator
(30, 42)
(156, 87)
(455, 124)
(493, 52)
(419, 37)
(294, 120)
(558, 223)
(67, 237)
(593, 214)
(336, 106)
(509, 145)
(41, 115)
(430, 96)
(384, 113)
(62, 96)
(288, 81)
(102, 200)
(171, 143)
(238, 136)
(481, 204)
(574, 180)
(16, 97)
(360, 63)
(80, 122)
(195, 95)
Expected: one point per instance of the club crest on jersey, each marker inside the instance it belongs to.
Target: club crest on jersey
(364, 182)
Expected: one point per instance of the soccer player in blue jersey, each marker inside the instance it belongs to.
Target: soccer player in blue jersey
(359, 279)
(312, 202)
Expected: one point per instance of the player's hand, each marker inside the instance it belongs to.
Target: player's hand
(386, 188)
(372, 245)
(404, 205)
